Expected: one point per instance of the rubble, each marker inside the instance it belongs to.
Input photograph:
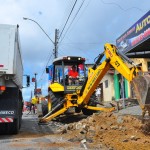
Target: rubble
(110, 131)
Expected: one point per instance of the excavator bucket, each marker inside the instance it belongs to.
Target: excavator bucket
(141, 86)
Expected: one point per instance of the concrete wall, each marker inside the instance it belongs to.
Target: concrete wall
(108, 92)
(142, 61)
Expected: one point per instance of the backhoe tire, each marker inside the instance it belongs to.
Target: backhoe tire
(55, 99)
(44, 107)
(88, 112)
(92, 102)
(77, 109)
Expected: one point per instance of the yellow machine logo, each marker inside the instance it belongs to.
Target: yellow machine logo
(73, 87)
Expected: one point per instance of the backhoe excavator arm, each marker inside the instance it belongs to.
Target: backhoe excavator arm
(115, 59)
(98, 71)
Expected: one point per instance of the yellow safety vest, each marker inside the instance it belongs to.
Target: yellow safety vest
(34, 100)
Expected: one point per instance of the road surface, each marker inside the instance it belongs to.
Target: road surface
(33, 136)
(40, 137)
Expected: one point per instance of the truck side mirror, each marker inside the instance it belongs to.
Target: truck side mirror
(47, 70)
(28, 80)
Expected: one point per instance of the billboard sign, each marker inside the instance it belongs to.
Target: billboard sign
(135, 35)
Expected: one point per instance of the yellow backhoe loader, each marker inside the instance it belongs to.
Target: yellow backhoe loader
(63, 96)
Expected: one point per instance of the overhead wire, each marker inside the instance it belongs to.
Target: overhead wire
(80, 50)
(67, 19)
(77, 21)
(50, 57)
(67, 9)
(113, 3)
(73, 19)
(82, 12)
(59, 37)
(68, 52)
(61, 52)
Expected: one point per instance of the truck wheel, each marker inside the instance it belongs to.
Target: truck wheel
(13, 128)
(2, 128)
(20, 119)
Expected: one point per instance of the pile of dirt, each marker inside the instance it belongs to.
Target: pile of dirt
(109, 131)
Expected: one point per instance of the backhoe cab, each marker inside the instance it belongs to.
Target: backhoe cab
(60, 77)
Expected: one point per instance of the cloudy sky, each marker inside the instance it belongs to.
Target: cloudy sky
(91, 24)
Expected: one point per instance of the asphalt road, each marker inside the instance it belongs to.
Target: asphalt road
(33, 136)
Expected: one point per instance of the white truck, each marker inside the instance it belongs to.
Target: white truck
(11, 80)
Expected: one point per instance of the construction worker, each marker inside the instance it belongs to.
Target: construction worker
(98, 93)
(34, 101)
(73, 76)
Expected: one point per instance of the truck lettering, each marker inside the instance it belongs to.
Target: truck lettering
(7, 112)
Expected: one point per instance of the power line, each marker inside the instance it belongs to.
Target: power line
(113, 3)
(50, 57)
(67, 9)
(67, 19)
(80, 43)
(83, 11)
(62, 52)
(73, 19)
(77, 47)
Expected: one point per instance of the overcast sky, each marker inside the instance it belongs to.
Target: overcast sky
(97, 22)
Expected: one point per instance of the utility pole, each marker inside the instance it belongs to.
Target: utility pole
(35, 90)
(56, 43)
(123, 90)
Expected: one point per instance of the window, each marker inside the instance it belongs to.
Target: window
(106, 83)
(148, 66)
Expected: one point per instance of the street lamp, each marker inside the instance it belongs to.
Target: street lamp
(40, 27)
(56, 37)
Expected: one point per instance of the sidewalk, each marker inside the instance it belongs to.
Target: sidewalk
(133, 110)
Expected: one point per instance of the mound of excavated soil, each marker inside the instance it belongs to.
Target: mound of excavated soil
(109, 131)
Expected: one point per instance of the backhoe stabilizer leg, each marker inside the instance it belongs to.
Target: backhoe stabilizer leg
(49, 118)
(57, 110)
(101, 108)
